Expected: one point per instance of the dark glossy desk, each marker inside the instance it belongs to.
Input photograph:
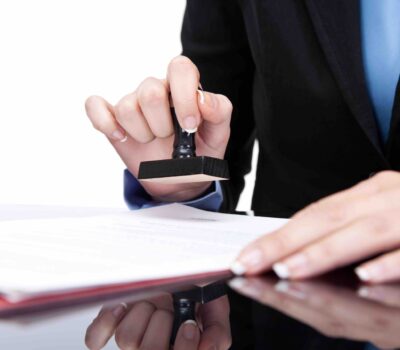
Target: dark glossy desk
(332, 312)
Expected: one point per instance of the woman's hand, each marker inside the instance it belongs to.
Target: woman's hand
(140, 126)
(344, 228)
(148, 325)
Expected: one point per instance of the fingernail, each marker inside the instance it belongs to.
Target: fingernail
(293, 265)
(190, 124)
(119, 310)
(212, 347)
(363, 274)
(189, 329)
(242, 285)
(249, 260)
(119, 136)
(238, 268)
(237, 283)
(282, 286)
(363, 292)
(286, 288)
(281, 270)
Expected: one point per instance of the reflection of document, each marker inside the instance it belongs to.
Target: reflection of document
(167, 241)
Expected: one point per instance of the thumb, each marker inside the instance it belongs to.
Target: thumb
(216, 111)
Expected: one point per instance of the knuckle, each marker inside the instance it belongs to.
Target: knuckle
(372, 186)
(380, 323)
(123, 109)
(385, 176)
(153, 92)
(336, 213)
(327, 212)
(311, 209)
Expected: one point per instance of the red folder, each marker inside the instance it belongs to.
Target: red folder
(43, 302)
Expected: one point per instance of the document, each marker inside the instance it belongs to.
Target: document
(50, 255)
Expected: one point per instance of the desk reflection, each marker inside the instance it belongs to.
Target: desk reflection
(333, 312)
(369, 313)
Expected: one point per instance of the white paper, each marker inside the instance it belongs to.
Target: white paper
(167, 241)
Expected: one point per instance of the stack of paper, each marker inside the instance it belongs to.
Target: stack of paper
(55, 255)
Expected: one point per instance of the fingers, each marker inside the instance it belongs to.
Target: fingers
(382, 269)
(216, 325)
(130, 117)
(144, 115)
(153, 98)
(360, 239)
(103, 326)
(183, 77)
(333, 311)
(132, 328)
(291, 304)
(158, 331)
(188, 336)
(321, 219)
(100, 113)
(214, 132)
(383, 294)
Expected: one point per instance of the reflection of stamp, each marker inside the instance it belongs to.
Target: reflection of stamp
(185, 302)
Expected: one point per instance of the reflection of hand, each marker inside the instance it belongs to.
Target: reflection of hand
(387, 294)
(148, 325)
(344, 228)
(333, 311)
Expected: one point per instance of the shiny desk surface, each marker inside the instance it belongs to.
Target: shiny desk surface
(332, 312)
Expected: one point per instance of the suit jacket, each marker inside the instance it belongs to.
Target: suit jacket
(293, 70)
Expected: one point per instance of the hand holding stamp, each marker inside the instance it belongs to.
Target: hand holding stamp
(184, 166)
(141, 129)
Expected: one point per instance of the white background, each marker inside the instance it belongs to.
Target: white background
(53, 55)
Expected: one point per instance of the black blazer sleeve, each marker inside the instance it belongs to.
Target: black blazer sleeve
(214, 38)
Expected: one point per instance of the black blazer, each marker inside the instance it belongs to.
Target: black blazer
(293, 70)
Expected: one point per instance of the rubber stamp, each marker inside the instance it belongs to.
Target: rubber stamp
(184, 166)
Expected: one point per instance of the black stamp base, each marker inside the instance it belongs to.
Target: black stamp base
(192, 169)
